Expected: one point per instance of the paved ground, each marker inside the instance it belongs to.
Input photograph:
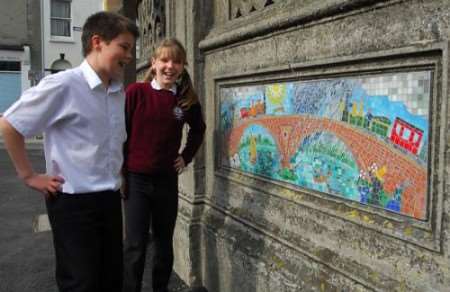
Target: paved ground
(26, 257)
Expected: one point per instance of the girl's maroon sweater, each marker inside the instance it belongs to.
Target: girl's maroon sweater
(154, 128)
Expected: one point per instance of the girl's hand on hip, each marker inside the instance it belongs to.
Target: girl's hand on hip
(179, 164)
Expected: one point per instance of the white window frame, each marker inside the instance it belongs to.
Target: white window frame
(61, 37)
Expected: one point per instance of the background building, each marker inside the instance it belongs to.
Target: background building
(20, 48)
(62, 22)
(39, 37)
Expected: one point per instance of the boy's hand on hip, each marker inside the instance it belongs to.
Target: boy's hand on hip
(46, 184)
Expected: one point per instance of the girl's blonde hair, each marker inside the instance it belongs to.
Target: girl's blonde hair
(172, 48)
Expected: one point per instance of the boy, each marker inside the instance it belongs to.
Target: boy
(81, 112)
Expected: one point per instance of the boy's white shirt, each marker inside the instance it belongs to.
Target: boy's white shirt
(84, 126)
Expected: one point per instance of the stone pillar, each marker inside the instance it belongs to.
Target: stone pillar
(113, 5)
(129, 10)
(187, 21)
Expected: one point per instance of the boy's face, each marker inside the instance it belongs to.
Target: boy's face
(114, 55)
(167, 70)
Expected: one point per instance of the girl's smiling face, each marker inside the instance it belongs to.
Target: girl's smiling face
(167, 68)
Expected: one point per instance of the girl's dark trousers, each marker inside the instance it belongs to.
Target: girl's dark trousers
(152, 202)
(87, 237)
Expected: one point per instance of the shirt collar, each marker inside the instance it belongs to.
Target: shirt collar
(94, 81)
(156, 86)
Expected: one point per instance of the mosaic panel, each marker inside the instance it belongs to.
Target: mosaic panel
(364, 139)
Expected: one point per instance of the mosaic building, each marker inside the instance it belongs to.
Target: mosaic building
(326, 163)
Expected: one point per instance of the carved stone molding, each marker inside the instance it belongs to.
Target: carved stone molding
(239, 8)
(152, 25)
(290, 13)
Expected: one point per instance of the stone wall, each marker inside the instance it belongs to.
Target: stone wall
(14, 23)
(239, 231)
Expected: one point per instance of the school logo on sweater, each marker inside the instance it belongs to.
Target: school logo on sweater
(178, 113)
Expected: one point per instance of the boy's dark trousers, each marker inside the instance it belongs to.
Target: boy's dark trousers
(87, 237)
(151, 200)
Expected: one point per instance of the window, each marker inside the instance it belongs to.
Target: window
(398, 128)
(415, 138)
(9, 66)
(406, 133)
(10, 83)
(60, 18)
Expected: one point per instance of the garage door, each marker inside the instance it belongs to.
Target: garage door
(10, 89)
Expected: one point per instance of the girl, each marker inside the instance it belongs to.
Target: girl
(156, 111)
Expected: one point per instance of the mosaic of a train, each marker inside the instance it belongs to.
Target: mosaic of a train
(401, 132)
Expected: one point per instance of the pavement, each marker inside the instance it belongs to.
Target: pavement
(26, 248)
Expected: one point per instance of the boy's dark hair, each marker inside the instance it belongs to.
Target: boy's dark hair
(107, 25)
